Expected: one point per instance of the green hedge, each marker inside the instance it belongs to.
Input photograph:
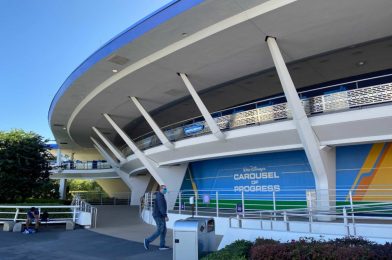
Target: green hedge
(304, 248)
(239, 250)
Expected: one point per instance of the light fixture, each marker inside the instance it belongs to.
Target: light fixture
(361, 63)
(114, 70)
(64, 128)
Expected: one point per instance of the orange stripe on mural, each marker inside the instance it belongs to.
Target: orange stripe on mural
(366, 168)
(381, 178)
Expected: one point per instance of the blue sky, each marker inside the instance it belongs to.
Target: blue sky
(43, 41)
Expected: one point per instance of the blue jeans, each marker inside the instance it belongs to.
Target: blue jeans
(161, 231)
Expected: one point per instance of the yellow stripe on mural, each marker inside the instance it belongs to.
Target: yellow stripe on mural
(368, 165)
(381, 178)
(194, 187)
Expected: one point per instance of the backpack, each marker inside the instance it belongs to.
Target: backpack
(45, 216)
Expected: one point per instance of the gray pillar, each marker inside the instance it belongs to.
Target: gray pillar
(203, 109)
(63, 189)
(322, 162)
(162, 137)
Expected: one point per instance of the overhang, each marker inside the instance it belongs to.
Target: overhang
(213, 41)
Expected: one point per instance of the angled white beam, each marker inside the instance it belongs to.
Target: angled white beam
(139, 154)
(104, 154)
(112, 161)
(322, 162)
(203, 109)
(162, 137)
(110, 145)
(123, 176)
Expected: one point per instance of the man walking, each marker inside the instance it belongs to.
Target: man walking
(160, 216)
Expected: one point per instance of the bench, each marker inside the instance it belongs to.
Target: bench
(8, 226)
(69, 225)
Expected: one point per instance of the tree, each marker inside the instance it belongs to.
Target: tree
(84, 185)
(24, 167)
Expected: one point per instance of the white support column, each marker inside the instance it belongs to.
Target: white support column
(322, 162)
(58, 157)
(162, 137)
(123, 176)
(105, 154)
(139, 154)
(139, 187)
(203, 109)
(110, 145)
(63, 189)
(171, 176)
(63, 182)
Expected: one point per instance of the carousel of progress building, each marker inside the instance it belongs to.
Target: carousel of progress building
(256, 108)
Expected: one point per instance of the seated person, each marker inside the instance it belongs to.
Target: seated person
(32, 217)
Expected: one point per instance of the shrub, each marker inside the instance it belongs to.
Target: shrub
(305, 248)
(309, 248)
(239, 250)
(270, 251)
(35, 201)
(265, 241)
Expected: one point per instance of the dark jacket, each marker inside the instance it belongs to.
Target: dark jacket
(160, 207)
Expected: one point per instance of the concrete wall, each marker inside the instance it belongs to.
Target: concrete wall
(81, 154)
(114, 187)
(253, 229)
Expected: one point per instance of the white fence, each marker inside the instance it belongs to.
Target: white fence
(79, 212)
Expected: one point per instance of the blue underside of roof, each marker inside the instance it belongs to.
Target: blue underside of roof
(146, 24)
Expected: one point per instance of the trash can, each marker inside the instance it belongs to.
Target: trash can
(193, 238)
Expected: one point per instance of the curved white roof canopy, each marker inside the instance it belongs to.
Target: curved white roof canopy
(213, 42)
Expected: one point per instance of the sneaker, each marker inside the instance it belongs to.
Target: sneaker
(164, 248)
(146, 244)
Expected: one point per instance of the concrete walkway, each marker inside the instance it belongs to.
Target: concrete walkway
(119, 235)
(124, 222)
(56, 243)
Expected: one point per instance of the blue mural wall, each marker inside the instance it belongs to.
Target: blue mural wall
(283, 172)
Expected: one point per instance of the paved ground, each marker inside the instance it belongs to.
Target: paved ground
(124, 222)
(56, 244)
(118, 229)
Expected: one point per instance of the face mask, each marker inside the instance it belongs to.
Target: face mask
(164, 191)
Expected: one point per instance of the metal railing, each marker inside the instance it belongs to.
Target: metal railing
(14, 212)
(228, 203)
(350, 217)
(342, 96)
(290, 210)
(89, 165)
(101, 198)
(83, 205)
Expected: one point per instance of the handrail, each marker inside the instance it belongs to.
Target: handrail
(41, 206)
(226, 202)
(319, 105)
(17, 212)
(351, 217)
(83, 205)
(263, 100)
(101, 198)
(86, 165)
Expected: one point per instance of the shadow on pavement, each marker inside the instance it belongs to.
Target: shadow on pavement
(56, 243)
